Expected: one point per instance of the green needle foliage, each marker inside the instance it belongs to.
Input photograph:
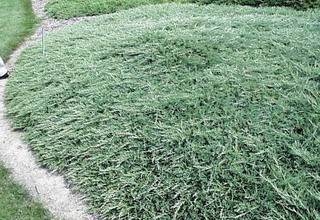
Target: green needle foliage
(74, 8)
(298, 4)
(63, 9)
(180, 111)
(16, 21)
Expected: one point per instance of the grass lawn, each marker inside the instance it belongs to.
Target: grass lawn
(16, 22)
(180, 111)
(15, 202)
(74, 8)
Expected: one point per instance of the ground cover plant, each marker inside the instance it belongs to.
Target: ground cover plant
(15, 202)
(16, 22)
(75, 8)
(300, 4)
(179, 111)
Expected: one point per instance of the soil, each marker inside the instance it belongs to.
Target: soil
(49, 188)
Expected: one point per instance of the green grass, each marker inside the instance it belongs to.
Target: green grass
(16, 22)
(15, 202)
(63, 9)
(180, 111)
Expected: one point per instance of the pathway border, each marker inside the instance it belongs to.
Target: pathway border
(49, 188)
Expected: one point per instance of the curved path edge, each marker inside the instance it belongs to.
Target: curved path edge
(49, 188)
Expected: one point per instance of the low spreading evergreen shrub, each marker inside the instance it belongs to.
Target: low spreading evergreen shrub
(299, 4)
(179, 111)
(63, 9)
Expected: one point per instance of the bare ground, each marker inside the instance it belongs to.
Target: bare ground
(49, 188)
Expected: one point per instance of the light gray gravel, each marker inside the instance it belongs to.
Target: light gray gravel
(51, 189)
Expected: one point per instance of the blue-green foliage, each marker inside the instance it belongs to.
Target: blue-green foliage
(299, 4)
(180, 111)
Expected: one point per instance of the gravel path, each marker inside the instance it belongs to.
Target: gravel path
(51, 189)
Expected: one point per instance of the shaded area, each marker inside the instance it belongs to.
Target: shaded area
(301, 4)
